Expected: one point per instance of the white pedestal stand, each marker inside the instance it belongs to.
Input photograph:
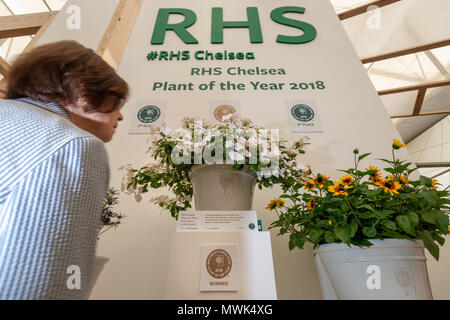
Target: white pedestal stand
(257, 279)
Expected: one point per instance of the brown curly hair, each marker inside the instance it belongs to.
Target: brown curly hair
(64, 72)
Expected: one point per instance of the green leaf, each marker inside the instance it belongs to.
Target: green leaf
(329, 237)
(428, 241)
(297, 240)
(413, 217)
(406, 225)
(363, 156)
(425, 181)
(370, 232)
(441, 221)
(315, 234)
(430, 196)
(351, 229)
(395, 235)
(438, 238)
(365, 214)
(428, 216)
(341, 234)
(366, 206)
(389, 224)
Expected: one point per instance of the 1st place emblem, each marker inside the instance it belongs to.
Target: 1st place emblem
(149, 114)
(302, 112)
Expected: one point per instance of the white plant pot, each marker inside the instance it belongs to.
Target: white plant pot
(99, 264)
(392, 269)
(222, 188)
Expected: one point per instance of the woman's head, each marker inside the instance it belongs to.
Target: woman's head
(77, 79)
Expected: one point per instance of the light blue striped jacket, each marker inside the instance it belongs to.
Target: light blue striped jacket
(53, 179)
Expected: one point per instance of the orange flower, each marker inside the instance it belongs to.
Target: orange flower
(272, 205)
(375, 177)
(307, 172)
(311, 204)
(337, 189)
(404, 180)
(397, 144)
(390, 186)
(280, 203)
(330, 222)
(346, 180)
(434, 183)
(310, 184)
(378, 180)
(321, 179)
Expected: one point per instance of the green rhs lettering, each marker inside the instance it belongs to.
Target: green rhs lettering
(309, 32)
(162, 25)
(252, 23)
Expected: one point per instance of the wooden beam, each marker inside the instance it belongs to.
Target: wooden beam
(4, 67)
(398, 53)
(419, 101)
(428, 85)
(430, 113)
(22, 25)
(363, 9)
(115, 39)
(41, 31)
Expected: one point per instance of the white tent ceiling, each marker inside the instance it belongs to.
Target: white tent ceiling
(403, 24)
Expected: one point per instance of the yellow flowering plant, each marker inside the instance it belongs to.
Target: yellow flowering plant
(364, 205)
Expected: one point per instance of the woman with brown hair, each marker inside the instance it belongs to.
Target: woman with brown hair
(63, 102)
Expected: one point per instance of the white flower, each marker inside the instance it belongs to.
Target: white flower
(227, 117)
(301, 167)
(260, 175)
(165, 129)
(228, 144)
(239, 146)
(159, 199)
(235, 156)
(208, 137)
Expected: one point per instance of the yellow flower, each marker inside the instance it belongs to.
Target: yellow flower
(378, 180)
(434, 184)
(337, 189)
(372, 168)
(311, 204)
(280, 203)
(310, 184)
(307, 172)
(330, 222)
(320, 180)
(404, 180)
(397, 144)
(346, 180)
(272, 205)
(390, 186)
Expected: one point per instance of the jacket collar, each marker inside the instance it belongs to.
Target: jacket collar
(52, 107)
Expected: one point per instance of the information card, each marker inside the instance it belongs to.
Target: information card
(200, 221)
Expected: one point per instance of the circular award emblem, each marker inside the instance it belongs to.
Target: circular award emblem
(218, 263)
(302, 112)
(149, 114)
(222, 111)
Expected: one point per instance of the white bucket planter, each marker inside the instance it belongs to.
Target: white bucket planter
(392, 269)
(222, 188)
